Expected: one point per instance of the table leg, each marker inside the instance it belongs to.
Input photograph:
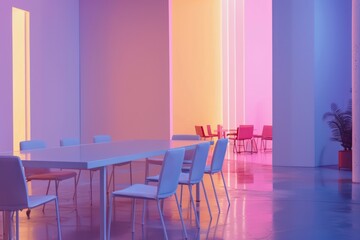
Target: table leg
(103, 181)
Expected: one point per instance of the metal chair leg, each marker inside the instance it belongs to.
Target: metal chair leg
(133, 214)
(58, 218)
(110, 215)
(213, 185)
(226, 191)
(207, 200)
(162, 219)
(194, 207)
(181, 217)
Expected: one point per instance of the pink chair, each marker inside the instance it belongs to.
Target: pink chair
(265, 136)
(244, 135)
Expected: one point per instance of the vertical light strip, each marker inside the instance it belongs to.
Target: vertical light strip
(21, 75)
(171, 104)
(228, 63)
(244, 69)
(235, 66)
(27, 76)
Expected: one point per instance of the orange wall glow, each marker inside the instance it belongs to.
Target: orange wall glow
(196, 64)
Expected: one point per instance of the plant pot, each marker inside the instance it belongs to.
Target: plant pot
(345, 159)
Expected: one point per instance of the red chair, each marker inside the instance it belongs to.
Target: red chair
(265, 136)
(244, 135)
(210, 134)
(200, 131)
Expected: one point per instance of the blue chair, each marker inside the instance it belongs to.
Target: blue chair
(106, 139)
(168, 182)
(45, 173)
(194, 175)
(69, 142)
(14, 193)
(216, 166)
(189, 154)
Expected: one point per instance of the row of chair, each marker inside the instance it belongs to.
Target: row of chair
(241, 138)
(173, 173)
(193, 174)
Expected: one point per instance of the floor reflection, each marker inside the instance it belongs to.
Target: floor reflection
(266, 203)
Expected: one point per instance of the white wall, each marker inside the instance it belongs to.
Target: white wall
(332, 70)
(54, 69)
(293, 83)
(311, 69)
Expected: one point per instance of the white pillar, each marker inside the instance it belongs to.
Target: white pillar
(356, 89)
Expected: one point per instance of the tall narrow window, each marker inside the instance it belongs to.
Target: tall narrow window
(21, 75)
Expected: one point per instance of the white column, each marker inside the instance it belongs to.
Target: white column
(356, 89)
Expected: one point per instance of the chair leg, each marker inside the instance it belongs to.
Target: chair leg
(47, 190)
(110, 215)
(207, 200)
(143, 212)
(181, 193)
(17, 225)
(131, 177)
(146, 168)
(216, 198)
(162, 219)
(75, 192)
(58, 217)
(226, 191)
(181, 217)
(111, 178)
(194, 207)
(133, 214)
(91, 177)
(76, 184)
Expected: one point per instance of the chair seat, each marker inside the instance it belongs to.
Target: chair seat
(58, 176)
(209, 171)
(37, 200)
(138, 191)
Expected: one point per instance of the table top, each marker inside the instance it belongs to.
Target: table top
(88, 156)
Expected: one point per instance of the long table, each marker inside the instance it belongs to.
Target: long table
(101, 155)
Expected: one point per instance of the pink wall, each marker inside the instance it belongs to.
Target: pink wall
(258, 63)
(54, 69)
(124, 68)
(247, 63)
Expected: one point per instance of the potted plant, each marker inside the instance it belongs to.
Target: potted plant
(340, 123)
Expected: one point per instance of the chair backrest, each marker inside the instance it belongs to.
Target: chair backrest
(33, 145)
(219, 131)
(267, 132)
(199, 162)
(102, 138)
(189, 154)
(200, 131)
(245, 132)
(170, 172)
(209, 130)
(185, 137)
(219, 155)
(13, 189)
(69, 142)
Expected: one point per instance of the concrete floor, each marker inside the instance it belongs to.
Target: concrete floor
(266, 203)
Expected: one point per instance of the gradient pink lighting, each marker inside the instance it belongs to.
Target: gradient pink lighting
(247, 63)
